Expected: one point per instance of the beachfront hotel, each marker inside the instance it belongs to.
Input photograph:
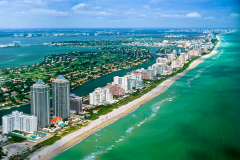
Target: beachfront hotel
(19, 121)
(100, 96)
(40, 103)
(129, 81)
(60, 97)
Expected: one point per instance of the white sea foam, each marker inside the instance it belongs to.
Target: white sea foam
(134, 115)
(154, 109)
(9, 61)
(94, 155)
(129, 130)
(119, 140)
(191, 79)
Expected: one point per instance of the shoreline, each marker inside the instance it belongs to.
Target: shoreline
(104, 120)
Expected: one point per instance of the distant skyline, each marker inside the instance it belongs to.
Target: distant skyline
(119, 14)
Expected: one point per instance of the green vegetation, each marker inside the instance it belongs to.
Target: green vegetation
(78, 67)
(17, 138)
(51, 140)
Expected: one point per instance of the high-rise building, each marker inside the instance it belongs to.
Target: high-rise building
(60, 97)
(75, 103)
(100, 95)
(161, 60)
(19, 121)
(170, 57)
(128, 81)
(40, 103)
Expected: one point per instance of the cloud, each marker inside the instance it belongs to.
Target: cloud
(129, 12)
(154, 1)
(193, 15)
(20, 13)
(171, 16)
(38, 2)
(79, 6)
(103, 13)
(210, 18)
(146, 7)
(48, 12)
(3, 3)
(235, 15)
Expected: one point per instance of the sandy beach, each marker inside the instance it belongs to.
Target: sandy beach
(116, 114)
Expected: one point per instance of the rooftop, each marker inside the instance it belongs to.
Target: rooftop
(40, 82)
(60, 77)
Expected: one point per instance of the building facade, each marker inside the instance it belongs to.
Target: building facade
(60, 97)
(40, 103)
(19, 121)
(100, 96)
(129, 81)
(76, 103)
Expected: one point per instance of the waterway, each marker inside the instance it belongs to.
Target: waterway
(89, 86)
(196, 118)
(33, 51)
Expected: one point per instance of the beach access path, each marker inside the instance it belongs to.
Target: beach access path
(104, 120)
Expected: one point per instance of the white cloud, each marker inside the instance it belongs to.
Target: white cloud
(103, 13)
(20, 13)
(235, 15)
(79, 6)
(48, 12)
(171, 16)
(129, 12)
(146, 7)
(154, 1)
(193, 15)
(209, 17)
(97, 7)
(3, 3)
(39, 2)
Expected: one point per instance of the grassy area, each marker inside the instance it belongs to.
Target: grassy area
(51, 140)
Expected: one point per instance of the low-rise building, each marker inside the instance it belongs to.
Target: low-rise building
(115, 89)
(194, 53)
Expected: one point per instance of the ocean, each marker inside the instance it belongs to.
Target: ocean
(196, 118)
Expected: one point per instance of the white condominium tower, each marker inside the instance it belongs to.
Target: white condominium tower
(100, 95)
(40, 103)
(128, 81)
(60, 97)
(19, 121)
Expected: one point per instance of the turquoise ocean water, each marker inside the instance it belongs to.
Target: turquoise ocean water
(198, 117)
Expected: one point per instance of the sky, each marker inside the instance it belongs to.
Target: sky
(119, 13)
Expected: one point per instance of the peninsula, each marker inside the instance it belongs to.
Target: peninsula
(105, 120)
